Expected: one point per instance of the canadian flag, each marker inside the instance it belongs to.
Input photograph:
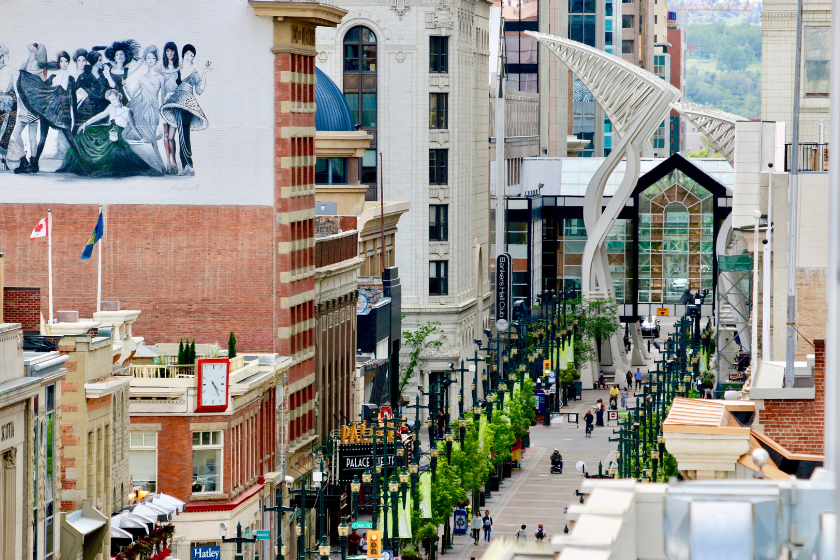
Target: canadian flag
(42, 229)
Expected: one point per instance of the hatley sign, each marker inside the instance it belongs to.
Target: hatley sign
(206, 553)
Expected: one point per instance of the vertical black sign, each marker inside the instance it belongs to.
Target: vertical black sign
(503, 279)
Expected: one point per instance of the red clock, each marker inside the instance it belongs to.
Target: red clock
(213, 384)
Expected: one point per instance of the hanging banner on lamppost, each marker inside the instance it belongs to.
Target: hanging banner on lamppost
(504, 264)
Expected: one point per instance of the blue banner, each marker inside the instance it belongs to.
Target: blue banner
(460, 522)
(206, 553)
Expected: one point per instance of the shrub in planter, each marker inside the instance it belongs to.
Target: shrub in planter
(411, 553)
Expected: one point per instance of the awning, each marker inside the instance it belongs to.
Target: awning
(172, 500)
(170, 507)
(135, 527)
(152, 511)
(84, 530)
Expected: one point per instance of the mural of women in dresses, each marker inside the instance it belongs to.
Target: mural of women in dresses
(36, 65)
(181, 109)
(101, 150)
(63, 77)
(8, 105)
(170, 70)
(121, 54)
(51, 104)
(80, 61)
(145, 104)
(94, 83)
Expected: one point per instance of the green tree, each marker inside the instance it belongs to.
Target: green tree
(418, 341)
(182, 356)
(192, 352)
(447, 490)
(503, 438)
(597, 321)
(734, 58)
(231, 346)
(472, 463)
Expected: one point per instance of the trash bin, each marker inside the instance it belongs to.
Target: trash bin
(481, 501)
(578, 390)
(493, 482)
(507, 469)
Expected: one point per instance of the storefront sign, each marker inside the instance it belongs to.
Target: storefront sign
(355, 458)
(11, 426)
(504, 266)
(206, 553)
(361, 433)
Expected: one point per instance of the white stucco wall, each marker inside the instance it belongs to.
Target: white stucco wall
(233, 157)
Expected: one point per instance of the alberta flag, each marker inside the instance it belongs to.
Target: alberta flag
(94, 237)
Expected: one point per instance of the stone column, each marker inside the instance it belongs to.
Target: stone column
(9, 510)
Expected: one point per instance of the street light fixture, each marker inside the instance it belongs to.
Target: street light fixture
(343, 533)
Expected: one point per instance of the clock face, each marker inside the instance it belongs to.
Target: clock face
(213, 384)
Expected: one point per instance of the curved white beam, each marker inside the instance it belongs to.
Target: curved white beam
(636, 102)
(716, 125)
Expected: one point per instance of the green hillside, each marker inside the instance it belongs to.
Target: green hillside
(725, 69)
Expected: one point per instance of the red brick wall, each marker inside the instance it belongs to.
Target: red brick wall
(23, 305)
(675, 50)
(194, 271)
(333, 250)
(798, 425)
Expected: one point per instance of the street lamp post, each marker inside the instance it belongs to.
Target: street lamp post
(239, 540)
(280, 553)
(343, 533)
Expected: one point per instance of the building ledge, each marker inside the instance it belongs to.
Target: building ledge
(308, 12)
(105, 388)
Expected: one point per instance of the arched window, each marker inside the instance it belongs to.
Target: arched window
(360, 75)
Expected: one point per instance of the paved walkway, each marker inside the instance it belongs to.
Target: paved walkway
(533, 495)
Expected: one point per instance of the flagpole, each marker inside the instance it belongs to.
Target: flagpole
(99, 273)
(49, 259)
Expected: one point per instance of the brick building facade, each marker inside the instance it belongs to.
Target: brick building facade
(799, 424)
(336, 294)
(22, 305)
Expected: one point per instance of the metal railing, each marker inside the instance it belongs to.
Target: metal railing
(154, 371)
(813, 157)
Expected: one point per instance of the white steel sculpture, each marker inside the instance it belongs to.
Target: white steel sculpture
(719, 128)
(716, 125)
(636, 102)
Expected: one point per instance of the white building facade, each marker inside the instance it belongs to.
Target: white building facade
(415, 75)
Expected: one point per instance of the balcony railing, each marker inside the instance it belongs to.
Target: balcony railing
(153, 371)
(812, 157)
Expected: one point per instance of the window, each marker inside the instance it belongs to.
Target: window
(142, 460)
(437, 110)
(438, 54)
(438, 160)
(438, 278)
(627, 46)
(582, 29)
(438, 222)
(608, 9)
(360, 75)
(207, 462)
(369, 167)
(331, 171)
(818, 44)
(655, 21)
(627, 22)
(608, 38)
(49, 486)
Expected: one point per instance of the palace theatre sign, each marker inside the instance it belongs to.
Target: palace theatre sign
(355, 451)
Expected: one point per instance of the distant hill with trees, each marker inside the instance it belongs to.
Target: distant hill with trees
(725, 69)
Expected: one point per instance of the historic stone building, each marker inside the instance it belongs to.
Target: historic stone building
(415, 76)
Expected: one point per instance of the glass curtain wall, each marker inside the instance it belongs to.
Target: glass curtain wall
(521, 58)
(676, 239)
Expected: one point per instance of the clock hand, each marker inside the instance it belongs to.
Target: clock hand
(214, 386)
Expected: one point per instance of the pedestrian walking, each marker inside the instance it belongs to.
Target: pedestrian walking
(624, 399)
(475, 525)
(353, 543)
(522, 534)
(588, 419)
(487, 523)
(599, 413)
(629, 379)
(540, 533)
(638, 376)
